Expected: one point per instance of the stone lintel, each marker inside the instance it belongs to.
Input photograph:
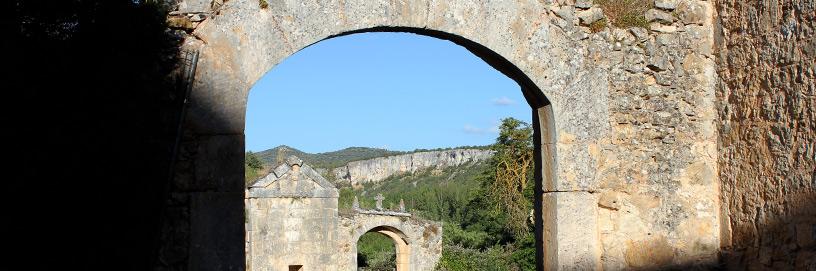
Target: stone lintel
(388, 213)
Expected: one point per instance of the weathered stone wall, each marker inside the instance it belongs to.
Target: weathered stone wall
(766, 102)
(653, 169)
(292, 231)
(628, 132)
(378, 169)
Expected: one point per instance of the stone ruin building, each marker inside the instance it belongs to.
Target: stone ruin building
(293, 224)
(687, 142)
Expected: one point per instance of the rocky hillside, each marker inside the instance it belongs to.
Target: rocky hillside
(323, 160)
(358, 165)
(378, 169)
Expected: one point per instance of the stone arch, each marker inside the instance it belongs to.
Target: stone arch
(418, 242)
(243, 41)
(401, 241)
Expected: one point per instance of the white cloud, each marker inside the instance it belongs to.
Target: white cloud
(503, 101)
(470, 129)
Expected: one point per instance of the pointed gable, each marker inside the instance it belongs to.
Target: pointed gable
(293, 179)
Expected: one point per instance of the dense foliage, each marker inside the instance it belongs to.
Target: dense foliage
(484, 207)
(510, 172)
(376, 252)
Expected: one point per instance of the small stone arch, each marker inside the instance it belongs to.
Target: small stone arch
(418, 242)
(402, 245)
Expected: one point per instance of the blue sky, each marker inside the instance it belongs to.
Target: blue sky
(398, 91)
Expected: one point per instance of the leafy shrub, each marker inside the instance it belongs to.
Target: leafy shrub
(523, 253)
(376, 252)
(252, 167)
(454, 234)
(458, 258)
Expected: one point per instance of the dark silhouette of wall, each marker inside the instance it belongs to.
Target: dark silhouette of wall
(93, 117)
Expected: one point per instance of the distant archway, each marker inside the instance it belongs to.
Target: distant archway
(401, 246)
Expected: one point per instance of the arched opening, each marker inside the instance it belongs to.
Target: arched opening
(596, 84)
(394, 250)
(542, 124)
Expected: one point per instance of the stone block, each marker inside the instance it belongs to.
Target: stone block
(692, 12)
(571, 238)
(190, 6)
(576, 168)
(210, 163)
(654, 15)
(220, 162)
(659, 62)
(640, 33)
(217, 101)
(666, 4)
(583, 4)
(649, 253)
(657, 27)
(590, 16)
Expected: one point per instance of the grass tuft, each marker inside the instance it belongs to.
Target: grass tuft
(263, 4)
(626, 13)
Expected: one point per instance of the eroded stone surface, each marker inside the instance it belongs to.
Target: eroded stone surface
(767, 129)
(666, 4)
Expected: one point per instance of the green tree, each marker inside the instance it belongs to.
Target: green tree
(252, 167)
(511, 172)
(252, 160)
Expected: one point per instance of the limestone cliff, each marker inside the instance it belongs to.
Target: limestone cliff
(378, 169)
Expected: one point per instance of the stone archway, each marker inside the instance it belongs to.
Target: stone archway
(418, 243)
(226, 71)
(615, 187)
(401, 246)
